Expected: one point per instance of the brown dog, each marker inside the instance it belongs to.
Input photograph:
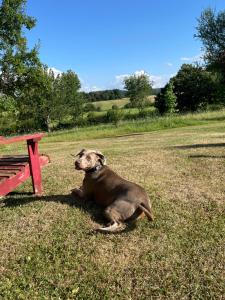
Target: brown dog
(122, 199)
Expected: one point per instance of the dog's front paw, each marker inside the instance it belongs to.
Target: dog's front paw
(77, 193)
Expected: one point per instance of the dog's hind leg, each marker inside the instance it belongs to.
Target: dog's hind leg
(120, 211)
(114, 219)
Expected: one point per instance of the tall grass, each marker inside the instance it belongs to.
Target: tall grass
(137, 126)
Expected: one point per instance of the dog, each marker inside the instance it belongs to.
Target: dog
(122, 200)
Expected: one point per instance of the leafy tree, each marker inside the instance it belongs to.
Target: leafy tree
(40, 98)
(69, 100)
(37, 102)
(8, 114)
(138, 88)
(194, 87)
(211, 31)
(166, 101)
(16, 60)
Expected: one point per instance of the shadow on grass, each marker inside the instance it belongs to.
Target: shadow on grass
(206, 156)
(15, 199)
(194, 146)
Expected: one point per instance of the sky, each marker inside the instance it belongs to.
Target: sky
(105, 40)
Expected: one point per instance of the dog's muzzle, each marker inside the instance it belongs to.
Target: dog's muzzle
(77, 165)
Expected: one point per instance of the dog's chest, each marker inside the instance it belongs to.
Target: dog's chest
(102, 198)
(98, 190)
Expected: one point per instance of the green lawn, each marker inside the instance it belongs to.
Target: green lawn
(48, 249)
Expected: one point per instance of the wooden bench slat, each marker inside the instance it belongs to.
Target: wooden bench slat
(16, 156)
(4, 176)
(11, 167)
(8, 172)
(14, 159)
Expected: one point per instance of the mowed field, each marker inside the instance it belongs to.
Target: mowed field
(106, 105)
(48, 249)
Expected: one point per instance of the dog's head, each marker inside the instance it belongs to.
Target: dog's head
(89, 159)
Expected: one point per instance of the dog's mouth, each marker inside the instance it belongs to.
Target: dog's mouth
(77, 166)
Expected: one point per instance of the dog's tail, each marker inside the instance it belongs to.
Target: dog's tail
(147, 210)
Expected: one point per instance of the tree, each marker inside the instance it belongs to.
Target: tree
(40, 98)
(15, 58)
(37, 102)
(8, 114)
(138, 88)
(166, 101)
(69, 99)
(194, 87)
(211, 31)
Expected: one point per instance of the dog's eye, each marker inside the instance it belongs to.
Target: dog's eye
(88, 158)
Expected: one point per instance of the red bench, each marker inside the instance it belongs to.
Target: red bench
(15, 169)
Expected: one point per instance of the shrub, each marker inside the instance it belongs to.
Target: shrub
(115, 116)
(115, 106)
(89, 107)
(166, 100)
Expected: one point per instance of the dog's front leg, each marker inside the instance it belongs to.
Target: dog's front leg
(78, 192)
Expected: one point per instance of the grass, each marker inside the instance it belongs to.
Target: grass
(137, 126)
(106, 105)
(49, 251)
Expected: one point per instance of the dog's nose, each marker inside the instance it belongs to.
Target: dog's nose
(77, 165)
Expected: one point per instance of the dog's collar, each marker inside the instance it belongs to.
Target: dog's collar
(93, 170)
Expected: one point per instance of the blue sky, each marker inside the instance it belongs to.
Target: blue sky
(103, 40)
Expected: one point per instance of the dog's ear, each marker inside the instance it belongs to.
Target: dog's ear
(101, 156)
(80, 152)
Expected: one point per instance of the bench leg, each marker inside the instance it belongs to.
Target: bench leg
(35, 168)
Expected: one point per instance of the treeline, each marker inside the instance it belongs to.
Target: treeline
(104, 95)
(111, 94)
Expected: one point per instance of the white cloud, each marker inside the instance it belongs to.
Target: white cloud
(191, 59)
(118, 83)
(140, 73)
(90, 88)
(169, 64)
(157, 80)
(119, 79)
(160, 81)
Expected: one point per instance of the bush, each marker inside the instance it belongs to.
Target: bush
(166, 100)
(91, 118)
(89, 107)
(129, 105)
(98, 107)
(115, 106)
(114, 116)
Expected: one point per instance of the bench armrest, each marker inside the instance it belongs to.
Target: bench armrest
(35, 137)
